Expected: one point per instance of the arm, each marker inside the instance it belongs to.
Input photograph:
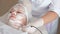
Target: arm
(53, 13)
(54, 9)
(48, 17)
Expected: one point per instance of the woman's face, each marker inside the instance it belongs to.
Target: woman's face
(16, 14)
(17, 17)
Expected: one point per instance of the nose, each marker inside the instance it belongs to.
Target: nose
(13, 13)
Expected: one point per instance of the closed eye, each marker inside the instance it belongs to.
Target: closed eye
(18, 12)
(11, 11)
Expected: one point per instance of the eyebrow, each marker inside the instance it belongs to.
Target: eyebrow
(12, 10)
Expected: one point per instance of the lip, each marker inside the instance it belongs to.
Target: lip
(12, 17)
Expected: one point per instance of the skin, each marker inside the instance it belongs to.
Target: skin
(20, 10)
(51, 15)
(13, 16)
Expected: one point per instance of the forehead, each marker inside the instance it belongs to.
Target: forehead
(16, 9)
(17, 6)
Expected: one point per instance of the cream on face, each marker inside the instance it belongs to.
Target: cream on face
(16, 20)
(16, 17)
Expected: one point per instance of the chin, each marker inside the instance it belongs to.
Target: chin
(10, 21)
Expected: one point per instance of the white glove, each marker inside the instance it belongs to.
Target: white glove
(38, 23)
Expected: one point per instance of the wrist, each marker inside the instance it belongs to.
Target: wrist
(38, 23)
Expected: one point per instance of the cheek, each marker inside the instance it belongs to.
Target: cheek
(10, 18)
(9, 15)
(19, 17)
(24, 21)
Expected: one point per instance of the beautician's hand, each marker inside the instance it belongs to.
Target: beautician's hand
(35, 25)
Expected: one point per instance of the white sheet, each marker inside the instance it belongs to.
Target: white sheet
(9, 30)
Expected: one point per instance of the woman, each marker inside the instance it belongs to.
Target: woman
(46, 13)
